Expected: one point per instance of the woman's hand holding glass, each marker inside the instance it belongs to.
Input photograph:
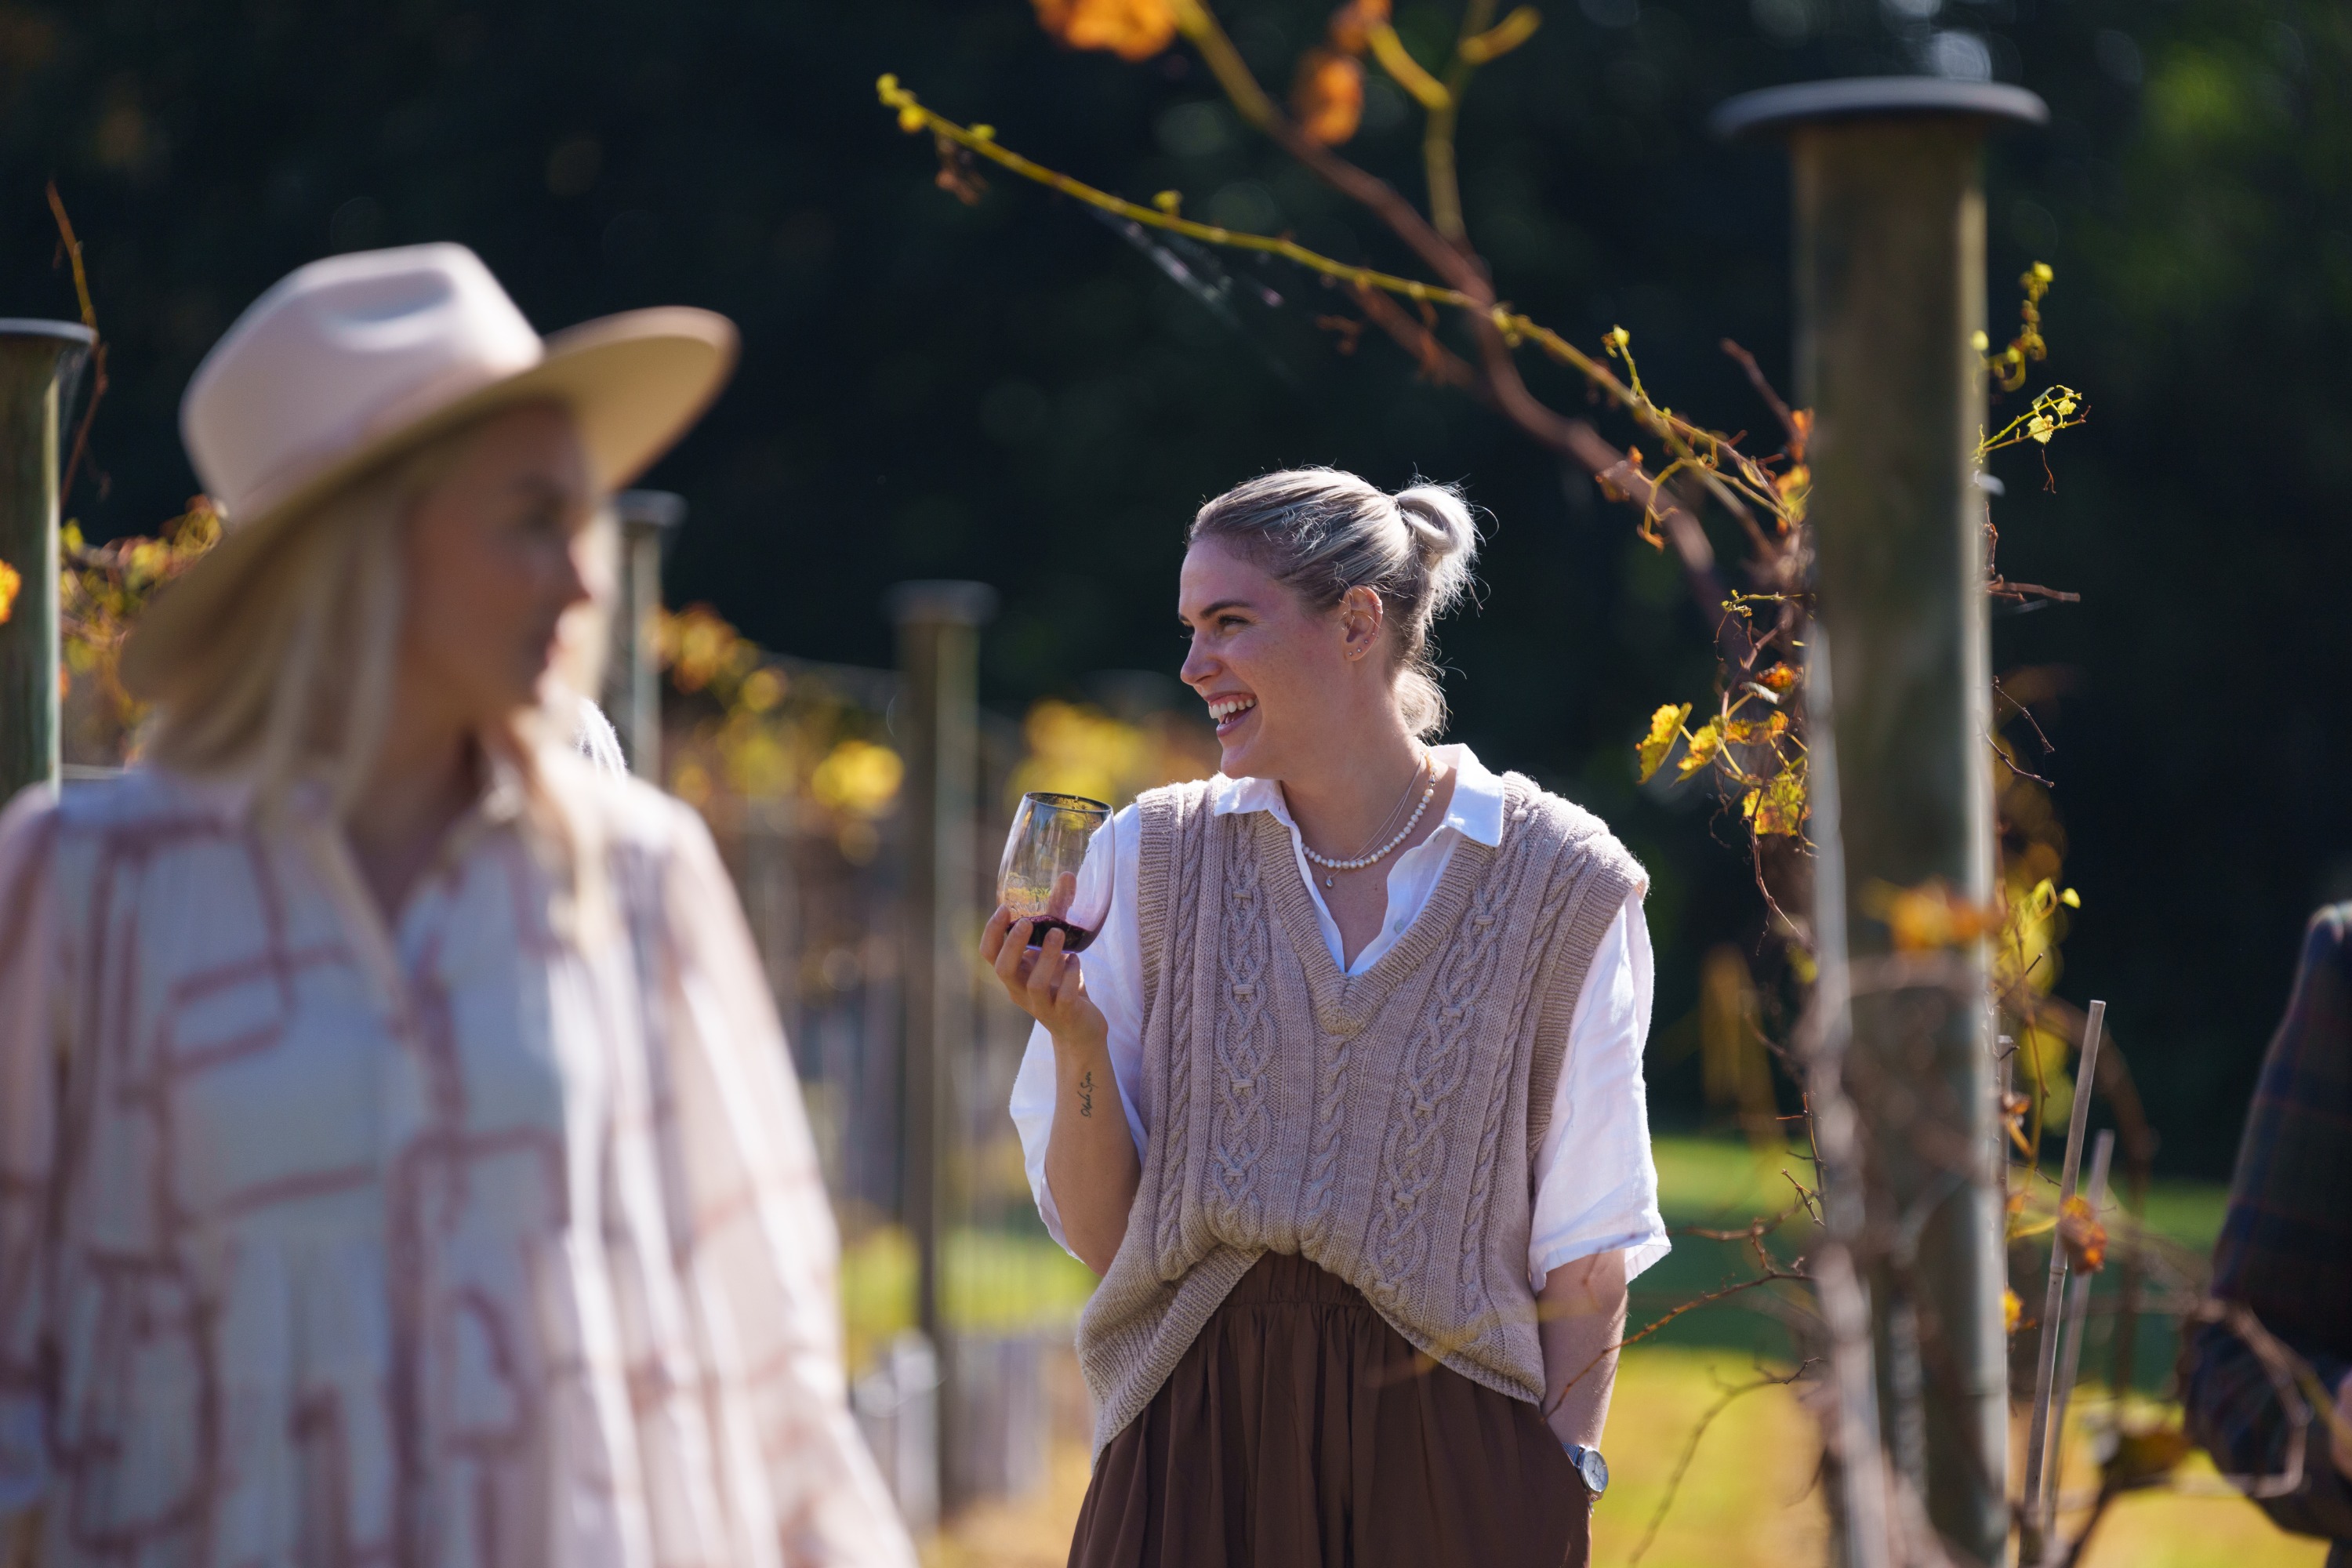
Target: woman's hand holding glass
(1047, 982)
(1053, 893)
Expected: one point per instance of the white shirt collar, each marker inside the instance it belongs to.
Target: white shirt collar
(1475, 811)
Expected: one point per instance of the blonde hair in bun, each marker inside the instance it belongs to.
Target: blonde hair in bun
(1323, 532)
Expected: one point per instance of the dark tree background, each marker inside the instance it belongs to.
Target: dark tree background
(1011, 392)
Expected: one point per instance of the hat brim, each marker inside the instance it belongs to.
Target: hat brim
(634, 383)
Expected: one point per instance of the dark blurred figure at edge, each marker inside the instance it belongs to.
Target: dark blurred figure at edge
(2286, 1254)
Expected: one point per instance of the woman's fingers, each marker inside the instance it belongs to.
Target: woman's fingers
(1045, 975)
(991, 935)
(1010, 957)
(1042, 981)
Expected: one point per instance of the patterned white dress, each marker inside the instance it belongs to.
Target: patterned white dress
(492, 1238)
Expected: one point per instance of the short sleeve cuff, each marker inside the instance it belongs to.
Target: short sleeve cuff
(1642, 1248)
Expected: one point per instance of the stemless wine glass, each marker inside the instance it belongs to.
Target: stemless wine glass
(1048, 877)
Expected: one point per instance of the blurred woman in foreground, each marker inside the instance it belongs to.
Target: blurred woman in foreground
(399, 1160)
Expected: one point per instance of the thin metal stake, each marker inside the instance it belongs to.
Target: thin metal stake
(2046, 1362)
(2076, 1324)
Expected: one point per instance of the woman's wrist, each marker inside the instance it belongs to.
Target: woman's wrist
(1085, 1041)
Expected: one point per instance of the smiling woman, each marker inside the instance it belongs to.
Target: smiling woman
(1372, 1017)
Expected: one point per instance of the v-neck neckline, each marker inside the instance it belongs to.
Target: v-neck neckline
(1345, 1003)
(378, 934)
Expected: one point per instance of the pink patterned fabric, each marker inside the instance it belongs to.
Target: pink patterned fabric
(496, 1238)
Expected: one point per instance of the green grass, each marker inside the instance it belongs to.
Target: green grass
(999, 1282)
(1721, 1183)
(2188, 1212)
(993, 1283)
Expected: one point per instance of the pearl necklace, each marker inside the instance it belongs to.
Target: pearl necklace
(1360, 861)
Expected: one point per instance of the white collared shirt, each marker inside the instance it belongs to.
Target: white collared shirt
(1596, 1189)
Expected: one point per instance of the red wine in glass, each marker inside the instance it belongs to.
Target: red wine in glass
(1059, 863)
(1074, 939)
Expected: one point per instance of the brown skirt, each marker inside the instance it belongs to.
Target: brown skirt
(1300, 1429)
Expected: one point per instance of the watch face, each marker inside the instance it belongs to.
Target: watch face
(1595, 1470)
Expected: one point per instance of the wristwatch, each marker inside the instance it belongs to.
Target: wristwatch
(1590, 1468)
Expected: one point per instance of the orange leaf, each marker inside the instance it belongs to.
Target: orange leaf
(1781, 678)
(1327, 97)
(11, 582)
(2084, 1238)
(1930, 916)
(1352, 25)
(1131, 29)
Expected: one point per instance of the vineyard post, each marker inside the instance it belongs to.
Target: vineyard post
(936, 725)
(37, 359)
(648, 520)
(1890, 305)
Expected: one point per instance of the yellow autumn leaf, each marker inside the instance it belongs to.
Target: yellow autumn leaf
(1706, 744)
(1757, 731)
(1665, 727)
(1782, 807)
(762, 690)
(858, 777)
(2012, 1312)
(11, 582)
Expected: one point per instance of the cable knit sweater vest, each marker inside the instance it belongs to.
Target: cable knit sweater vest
(1381, 1126)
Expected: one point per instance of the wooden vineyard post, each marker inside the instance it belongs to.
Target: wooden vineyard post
(936, 724)
(37, 359)
(648, 519)
(1890, 296)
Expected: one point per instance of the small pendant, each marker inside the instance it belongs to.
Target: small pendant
(1327, 881)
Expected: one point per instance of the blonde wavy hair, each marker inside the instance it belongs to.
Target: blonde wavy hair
(294, 679)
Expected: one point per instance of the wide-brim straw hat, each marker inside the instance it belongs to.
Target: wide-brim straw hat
(354, 360)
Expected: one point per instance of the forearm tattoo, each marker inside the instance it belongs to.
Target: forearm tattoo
(1087, 1092)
